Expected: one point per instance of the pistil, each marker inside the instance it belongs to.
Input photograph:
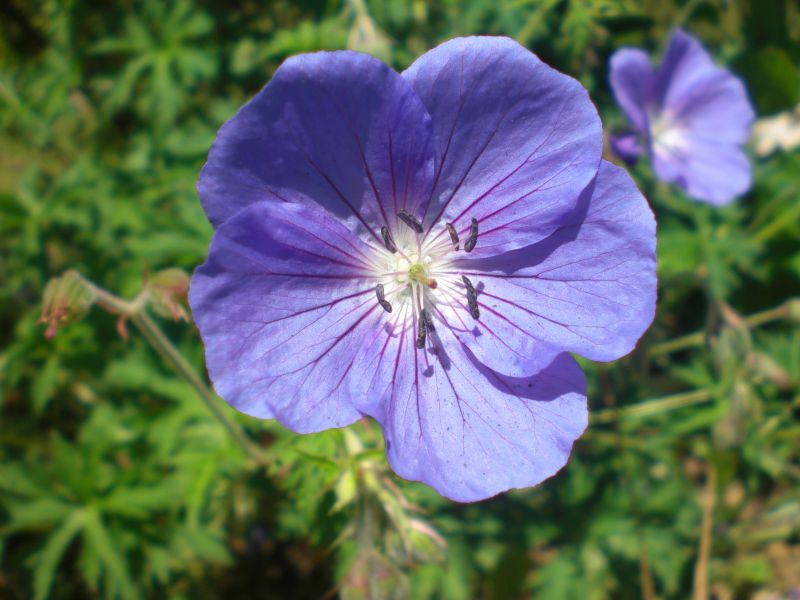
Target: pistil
(417, 273)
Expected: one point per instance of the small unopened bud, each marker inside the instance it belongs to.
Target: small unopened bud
(793, 310)
(66, 298)
(168, 290)
(766, 366)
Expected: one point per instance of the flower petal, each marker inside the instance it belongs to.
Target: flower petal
(627, 146)
(283, 304)
(471, 433)
(337, 129)
(633, 85)
(708, 171)
(589, 288)
(684, 63)
(708, 101)
(716, 109)
(516, 140)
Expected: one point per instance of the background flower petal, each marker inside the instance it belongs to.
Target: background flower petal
(716, 109)
(471, 433)
(685, 62)
(282, 304)
(708, 171)
(627, 146)
(589, 288)
(516, 140)
(633, 84)
(338, 129)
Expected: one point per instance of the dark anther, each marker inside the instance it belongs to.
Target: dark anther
(426, 317)
(381, 300)
(421, 333)
(469, 245)
(453, 234)
(410, 220)
(472, 298)
(387, 240)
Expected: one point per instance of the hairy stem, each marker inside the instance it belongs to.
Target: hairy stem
(708, 498)
(135, 310)
(651, 407)
(163, 346)
(697, 338)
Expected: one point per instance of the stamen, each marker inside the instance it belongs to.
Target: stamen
(426, 318)
(387, 240)
(381, 299)
(469, 245)
(421, 332)
(410, 220)
(472, 298)
(453, 234)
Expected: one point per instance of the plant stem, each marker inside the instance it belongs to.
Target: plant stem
(685, 13)
(651, 407)
(776, 226)
(163, 346)
(136, 310)
(708, 500)
(696, 339)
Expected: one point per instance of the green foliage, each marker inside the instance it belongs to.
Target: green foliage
(117, 482)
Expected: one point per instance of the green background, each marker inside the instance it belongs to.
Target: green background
(116, 481)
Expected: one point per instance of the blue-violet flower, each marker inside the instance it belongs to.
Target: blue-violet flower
(423, 248)
(691, 117)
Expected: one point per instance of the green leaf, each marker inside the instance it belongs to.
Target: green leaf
(117, 578)
(46, 561)
(37, 514)
(45, 384)
(774, 80)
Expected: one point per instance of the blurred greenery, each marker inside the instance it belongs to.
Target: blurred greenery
(116, 481)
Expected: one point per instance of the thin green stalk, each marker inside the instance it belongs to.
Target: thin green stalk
(164, 347)
(776, 226)
(686, 13)
(135, 310)
(651, 407)
(697, 338)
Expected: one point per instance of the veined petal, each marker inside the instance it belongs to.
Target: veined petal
(716, 109)
(471, 433)
(632, 82)
(516, 140)
(699, 97)
(283, 303)
(708, 171)
(589, 288)
(685, 62)
(337, 129)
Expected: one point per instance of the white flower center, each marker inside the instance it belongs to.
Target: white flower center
(669, 136)
(415, 275)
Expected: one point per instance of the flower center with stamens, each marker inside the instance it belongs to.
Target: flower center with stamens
(419, 277)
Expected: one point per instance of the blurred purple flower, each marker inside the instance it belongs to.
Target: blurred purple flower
(692, 115)
(425, 249)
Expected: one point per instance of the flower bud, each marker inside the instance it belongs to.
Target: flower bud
(66, 299)
(168, 290)
(793, 310)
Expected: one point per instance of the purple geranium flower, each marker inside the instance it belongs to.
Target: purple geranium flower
(692, 115)
(424, 248)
